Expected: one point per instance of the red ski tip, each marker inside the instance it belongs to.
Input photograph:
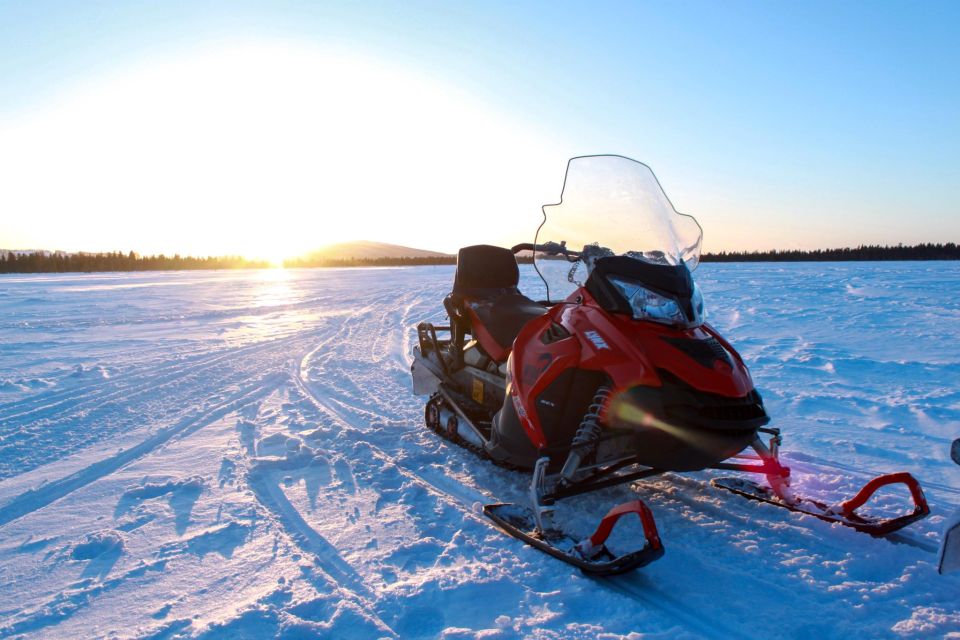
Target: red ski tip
(920, 507)
(605, 528)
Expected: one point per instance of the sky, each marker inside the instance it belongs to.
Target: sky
(270, 129)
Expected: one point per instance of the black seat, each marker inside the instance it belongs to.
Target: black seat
(485, 269)
(503, 317)
(485, 293)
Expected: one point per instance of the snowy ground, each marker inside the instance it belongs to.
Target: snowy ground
(230, 455)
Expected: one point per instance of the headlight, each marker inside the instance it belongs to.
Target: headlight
(648, 305)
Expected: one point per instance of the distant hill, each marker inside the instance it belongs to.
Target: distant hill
(366, 250)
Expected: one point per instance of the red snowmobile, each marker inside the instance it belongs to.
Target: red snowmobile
(612, 377)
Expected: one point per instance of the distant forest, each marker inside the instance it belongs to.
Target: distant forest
(948, 251)
(45, 262)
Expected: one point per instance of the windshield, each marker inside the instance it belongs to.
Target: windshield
(611, 205)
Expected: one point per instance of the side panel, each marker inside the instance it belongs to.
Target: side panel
(533, 366)
(631, 351)
(560, 358)
(560, 407)
(609, 346)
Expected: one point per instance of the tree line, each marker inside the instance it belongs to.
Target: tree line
(926, 251)
(44, 262)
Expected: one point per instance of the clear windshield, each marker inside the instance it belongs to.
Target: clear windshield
(612, 205)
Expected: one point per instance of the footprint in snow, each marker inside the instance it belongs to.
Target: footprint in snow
(181, 494)
(101, 550)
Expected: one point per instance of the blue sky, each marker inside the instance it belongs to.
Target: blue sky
(775, 124)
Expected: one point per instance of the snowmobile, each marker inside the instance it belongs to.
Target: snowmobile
(948, 559)
(611, 377)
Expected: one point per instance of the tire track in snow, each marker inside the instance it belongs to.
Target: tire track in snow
(144, 380)
(60, 434)
(142, 371)
(43, 401)
(453, 492)
(61, 606)
(328, 406)
(806, 460)
(275, 500)
(268, 492)
(338, 573)
(36, 499)
(261, 478)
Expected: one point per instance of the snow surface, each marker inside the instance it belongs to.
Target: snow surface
(239, 455)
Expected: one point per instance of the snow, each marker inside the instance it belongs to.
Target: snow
(239, 454)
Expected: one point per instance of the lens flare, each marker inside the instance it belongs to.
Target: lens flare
(626, 413)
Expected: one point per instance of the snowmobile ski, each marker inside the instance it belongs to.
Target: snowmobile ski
(845, 512)
(590, 554)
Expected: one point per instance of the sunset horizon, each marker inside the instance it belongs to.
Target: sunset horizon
(258, 135)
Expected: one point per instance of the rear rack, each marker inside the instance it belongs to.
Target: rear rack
(427, 336)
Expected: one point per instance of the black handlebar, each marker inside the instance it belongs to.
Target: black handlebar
(550, 248)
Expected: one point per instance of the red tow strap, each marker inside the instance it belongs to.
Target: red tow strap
(635, 506)
(857, 501)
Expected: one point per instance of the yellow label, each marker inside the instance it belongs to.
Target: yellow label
(478, 390)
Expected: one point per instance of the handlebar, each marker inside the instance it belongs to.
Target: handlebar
(550, 248)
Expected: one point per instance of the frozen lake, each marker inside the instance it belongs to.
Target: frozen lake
(238, 454)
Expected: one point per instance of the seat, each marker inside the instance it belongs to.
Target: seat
(485, 298)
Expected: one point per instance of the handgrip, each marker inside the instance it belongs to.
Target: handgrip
(550, 248)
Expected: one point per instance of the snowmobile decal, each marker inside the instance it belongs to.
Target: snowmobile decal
(597, 340)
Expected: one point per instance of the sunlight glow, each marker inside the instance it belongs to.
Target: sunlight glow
(629, 414)
(269, 151)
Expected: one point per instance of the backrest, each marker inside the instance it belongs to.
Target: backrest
(483, 266)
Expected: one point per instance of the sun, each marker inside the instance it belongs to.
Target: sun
(271, 149)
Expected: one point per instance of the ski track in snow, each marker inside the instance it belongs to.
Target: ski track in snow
(238, 454)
